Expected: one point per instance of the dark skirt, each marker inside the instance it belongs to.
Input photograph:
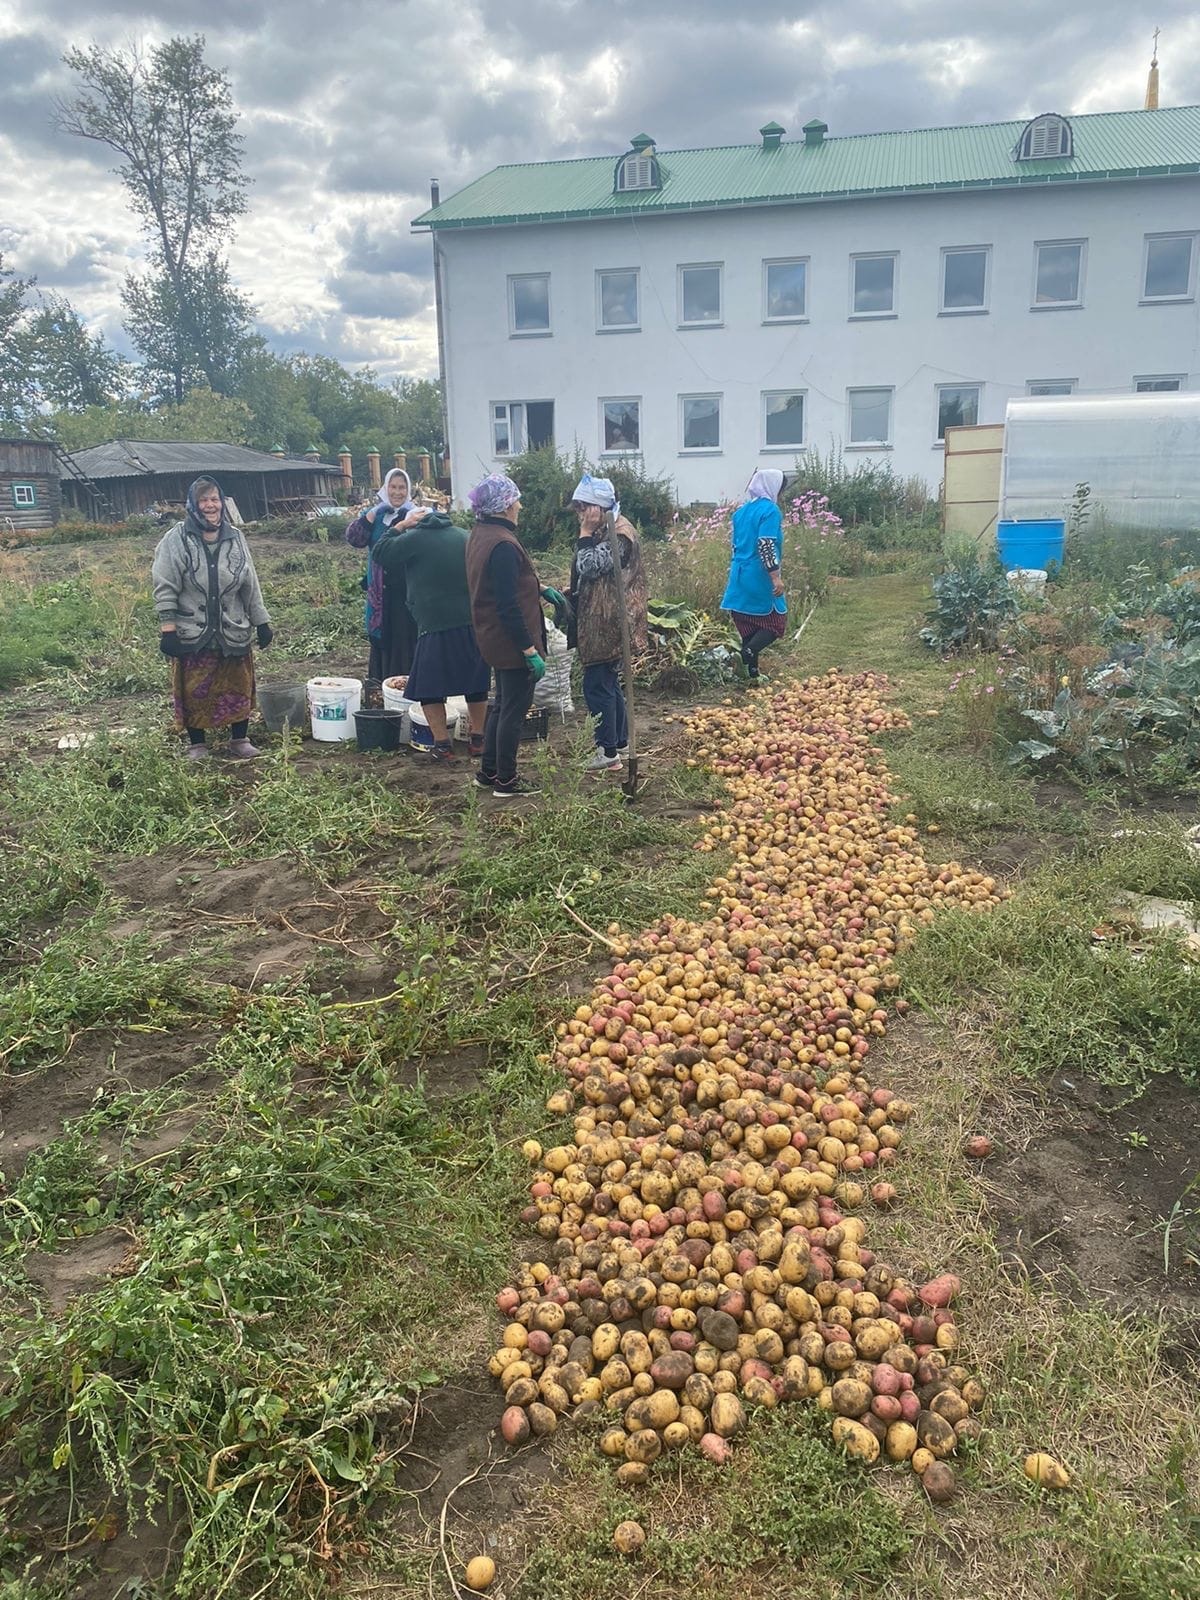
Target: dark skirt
(212, 691)
(391, 653)
(448, 663)
(773, 622)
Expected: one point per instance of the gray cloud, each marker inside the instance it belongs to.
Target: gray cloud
(348, 112)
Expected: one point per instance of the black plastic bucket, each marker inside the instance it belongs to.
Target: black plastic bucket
(378, 730)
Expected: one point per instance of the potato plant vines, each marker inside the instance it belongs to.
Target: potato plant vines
(707, 1252)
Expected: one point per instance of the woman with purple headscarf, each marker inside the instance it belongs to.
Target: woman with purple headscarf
(510, 629)
(391, 629)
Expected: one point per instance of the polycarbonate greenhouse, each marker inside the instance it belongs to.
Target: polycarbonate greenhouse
(1139, 455)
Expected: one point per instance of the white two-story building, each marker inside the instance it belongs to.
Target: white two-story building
(713, 311)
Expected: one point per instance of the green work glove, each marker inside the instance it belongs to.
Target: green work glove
(536, 665)
(553, 597)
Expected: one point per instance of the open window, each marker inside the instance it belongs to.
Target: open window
(520, 425)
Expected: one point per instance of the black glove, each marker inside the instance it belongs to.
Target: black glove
(170, 645)
(264, 635)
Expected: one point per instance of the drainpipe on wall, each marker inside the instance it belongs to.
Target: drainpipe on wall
(435, 198)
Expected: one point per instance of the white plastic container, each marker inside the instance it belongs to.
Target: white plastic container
(1028, 580)
(332, 703)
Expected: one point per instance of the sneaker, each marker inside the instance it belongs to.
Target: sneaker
(603, 763)
(243, 750)
(485, 780)
(197, 752)
(475, 746)
(443, 752)
(514, 789)
(623, 749)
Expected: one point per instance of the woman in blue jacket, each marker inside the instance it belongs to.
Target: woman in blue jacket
(754, 594)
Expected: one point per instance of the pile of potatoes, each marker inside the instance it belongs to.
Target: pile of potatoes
(705, 1256)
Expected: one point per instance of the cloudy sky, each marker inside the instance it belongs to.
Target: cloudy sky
(349, 109)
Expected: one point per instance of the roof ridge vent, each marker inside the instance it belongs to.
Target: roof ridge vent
(772, 135)
(814, 132)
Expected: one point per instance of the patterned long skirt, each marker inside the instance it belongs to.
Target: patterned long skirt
(212, 691)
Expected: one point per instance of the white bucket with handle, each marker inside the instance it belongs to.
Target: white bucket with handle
(332, 703)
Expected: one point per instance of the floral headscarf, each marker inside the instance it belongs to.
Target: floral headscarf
(494, 495)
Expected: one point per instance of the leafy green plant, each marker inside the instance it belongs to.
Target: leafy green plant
(972, 601)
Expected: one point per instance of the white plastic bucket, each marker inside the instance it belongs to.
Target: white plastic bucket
(1028, 580)
(332, 703)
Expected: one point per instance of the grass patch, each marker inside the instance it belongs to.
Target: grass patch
(1053, 1000)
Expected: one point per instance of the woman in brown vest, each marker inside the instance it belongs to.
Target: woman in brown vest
(510, 629)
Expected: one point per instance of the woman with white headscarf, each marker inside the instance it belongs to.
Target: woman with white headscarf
(596, 600)
(391, 630)
(754, 594)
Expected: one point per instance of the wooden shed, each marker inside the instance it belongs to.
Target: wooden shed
(30, 488)
(139, 476)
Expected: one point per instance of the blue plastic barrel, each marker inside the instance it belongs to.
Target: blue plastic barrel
(1033, 544)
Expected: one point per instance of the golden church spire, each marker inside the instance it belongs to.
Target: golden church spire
(1152, 80)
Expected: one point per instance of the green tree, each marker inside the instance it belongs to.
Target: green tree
(278, 407)
(15, 399)
(419, 413)
(68, 367)
(170, 117)
(203, 416)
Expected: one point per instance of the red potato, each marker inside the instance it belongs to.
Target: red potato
(939, 1292)
(717, 1450)
(514, 1426)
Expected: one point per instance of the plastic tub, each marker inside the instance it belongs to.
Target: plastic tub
(394, 698)
(420, 734)
(1031, 545)
(332, 703)
(379, 730)
(1028, 580)
(283, 705)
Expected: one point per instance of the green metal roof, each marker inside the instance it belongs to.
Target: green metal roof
(1108, 145)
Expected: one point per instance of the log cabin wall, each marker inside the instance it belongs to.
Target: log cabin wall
(30, 493)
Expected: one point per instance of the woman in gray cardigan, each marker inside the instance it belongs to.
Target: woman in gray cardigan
(210, 608)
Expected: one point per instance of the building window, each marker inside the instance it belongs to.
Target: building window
(872, 286)
(620, 426)
(785, 290)
(638, 170)
(1058, 273)
(520, 425)
(1047, 137)
(870, 416)
(617, 300)
(783, 419)
(700, 421)
(700, 296)
(1168, 273)
(958, 406)
(1167, 384)
(529, 304)
(24, 496)
(965, 279)
(1050, 386)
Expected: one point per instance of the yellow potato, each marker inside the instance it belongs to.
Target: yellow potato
(1046, 1471)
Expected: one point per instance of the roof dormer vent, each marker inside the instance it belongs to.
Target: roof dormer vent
(639, 169)
(1047, 138)
(814, 132)
(772, 135)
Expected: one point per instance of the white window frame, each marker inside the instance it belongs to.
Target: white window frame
(620, 400)
(1058, 305)
(702, 266)
(1179, 379)
(702, 449)
(1189, 292)
(19, 493)
(985, 250)
(783, 449)
(636, 172)
(520, 436)
(784, 261)
(528, 333)
(870, 388)
(618, 327)
(1064, 386)
(876, 255)
(937, 408)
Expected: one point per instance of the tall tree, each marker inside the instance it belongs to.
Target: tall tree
(171, 119)
(199, 340)
(68, 367)
(15, 398)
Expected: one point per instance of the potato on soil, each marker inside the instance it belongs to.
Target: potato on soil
(939, 1481)
(629, 1537)
(856, 1440)
(514, 1426)
(1046, 1471)
(727, 1415)
(716, 1448)
(480, 1573)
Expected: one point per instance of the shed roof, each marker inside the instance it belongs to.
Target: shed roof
(142, 458)
(1108, 145)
